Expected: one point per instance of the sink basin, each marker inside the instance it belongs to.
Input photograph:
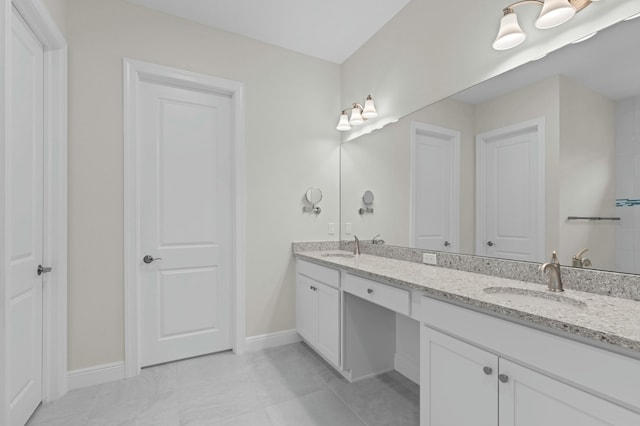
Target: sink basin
(534, 297)
(338, 255)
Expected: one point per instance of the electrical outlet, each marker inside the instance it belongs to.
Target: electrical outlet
(429, 258)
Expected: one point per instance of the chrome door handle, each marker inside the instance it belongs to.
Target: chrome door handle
(490, 243)
(148, 259)
(43, 269)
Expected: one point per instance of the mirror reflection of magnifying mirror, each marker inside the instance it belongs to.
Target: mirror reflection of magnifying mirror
(367, 198)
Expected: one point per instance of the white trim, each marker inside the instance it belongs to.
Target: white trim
(133, 71)
(454, 208)
(481, 140)
(37, 17)
(271, 340)
(105, 373)
(407, 367)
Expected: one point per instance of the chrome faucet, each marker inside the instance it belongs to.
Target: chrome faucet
(555, 280)
(376, 240)
(356, 245)
(578, 261)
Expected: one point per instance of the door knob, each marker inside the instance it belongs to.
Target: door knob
(43, 269)
(148, 259)
(490, 243)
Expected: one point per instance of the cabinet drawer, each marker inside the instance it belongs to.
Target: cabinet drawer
(393, 298)
(319, 273)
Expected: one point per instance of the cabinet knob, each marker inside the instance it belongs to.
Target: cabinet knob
(503, 378)
(369, 290)
(313, 288)
(487, 370)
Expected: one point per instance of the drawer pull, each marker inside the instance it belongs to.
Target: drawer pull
(369, 290)
(313, 288)
(503, 378)
(487, 370)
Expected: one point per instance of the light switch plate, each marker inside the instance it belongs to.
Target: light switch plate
(429, 258)
(332, 228)
(347, 228)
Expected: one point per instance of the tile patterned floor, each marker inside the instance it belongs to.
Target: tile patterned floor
(287, 385)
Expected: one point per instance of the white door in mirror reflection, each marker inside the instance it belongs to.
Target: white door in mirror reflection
(510, 192)
(435, 183)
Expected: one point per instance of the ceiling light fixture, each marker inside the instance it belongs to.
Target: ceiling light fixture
(359, 114)
(553, 13)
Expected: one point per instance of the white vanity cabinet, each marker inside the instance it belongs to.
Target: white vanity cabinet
(318, 308)
(464, 384)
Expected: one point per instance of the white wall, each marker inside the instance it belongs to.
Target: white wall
(431, 50)
(283, 157)
(587, 175)
(627, 128)
(58, 11)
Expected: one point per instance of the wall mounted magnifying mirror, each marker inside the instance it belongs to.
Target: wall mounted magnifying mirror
(312, 197)
(367, 200)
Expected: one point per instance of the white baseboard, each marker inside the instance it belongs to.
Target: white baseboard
(270, 340)
(407, 367)
(99, 374)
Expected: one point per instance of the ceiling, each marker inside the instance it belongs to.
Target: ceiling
(328, 29)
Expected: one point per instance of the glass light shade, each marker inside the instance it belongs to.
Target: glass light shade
(356, 117)
(369, 109)
(343, 124)
(554, 13)
(510, 34)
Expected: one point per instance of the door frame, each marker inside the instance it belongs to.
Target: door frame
(481, 141)
(454, 135)
(134, 71)
(54, 331)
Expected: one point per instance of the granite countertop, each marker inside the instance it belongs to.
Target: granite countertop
(604, 319)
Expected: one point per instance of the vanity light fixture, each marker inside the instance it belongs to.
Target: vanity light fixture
(553, 13)
(359, 114)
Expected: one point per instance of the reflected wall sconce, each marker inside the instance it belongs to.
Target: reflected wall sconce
(359, 114)
(553, 13)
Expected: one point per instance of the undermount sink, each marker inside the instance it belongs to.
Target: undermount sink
(338, 255)
(534, 297)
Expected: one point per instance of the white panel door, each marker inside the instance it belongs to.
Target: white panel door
(528, 398)
(510, 192)
(435, 188)
(25, 219)
(185, 221)
(307, 308)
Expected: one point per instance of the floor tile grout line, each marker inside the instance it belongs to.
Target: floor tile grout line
(348, 405)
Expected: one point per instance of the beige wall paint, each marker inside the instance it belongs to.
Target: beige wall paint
(587, 178)
(431, 50)
(58, 11)
(291, 143)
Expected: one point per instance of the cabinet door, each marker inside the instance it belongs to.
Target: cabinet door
(329, 322)
(307, 308)
(528, 398)
(459, 383)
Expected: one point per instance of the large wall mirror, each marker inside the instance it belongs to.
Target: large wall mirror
(544, 157)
